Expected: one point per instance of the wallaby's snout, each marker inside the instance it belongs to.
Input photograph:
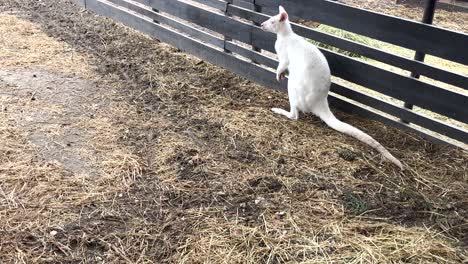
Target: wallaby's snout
(266, 25)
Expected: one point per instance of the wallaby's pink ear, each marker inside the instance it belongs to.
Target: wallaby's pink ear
(281, 9)
(283, 16)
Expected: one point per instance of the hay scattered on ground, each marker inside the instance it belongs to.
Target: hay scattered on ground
(23, 44)
(192, 167)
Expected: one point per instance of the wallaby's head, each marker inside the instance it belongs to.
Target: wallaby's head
(276, 23)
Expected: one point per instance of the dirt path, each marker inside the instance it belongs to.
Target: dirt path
(56, 104)
(119, 149)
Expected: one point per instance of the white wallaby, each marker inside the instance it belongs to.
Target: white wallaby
(309, 80)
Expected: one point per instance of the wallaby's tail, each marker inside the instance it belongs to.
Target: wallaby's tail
(327, 116)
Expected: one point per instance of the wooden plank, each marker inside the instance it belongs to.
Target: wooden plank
(187, 29)
(251, 54)
(244, 4)
(143, 2)
(211, 20)
(402, 32)
(364, 50)
(227, 38)
(248, 70)
(218, 4)
(221, 5)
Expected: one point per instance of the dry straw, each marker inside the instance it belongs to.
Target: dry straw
(190, 166)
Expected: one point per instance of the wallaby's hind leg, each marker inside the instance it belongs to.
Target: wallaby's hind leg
(293, 114)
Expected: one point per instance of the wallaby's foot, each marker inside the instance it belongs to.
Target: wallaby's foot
(280, 76)
(291, 115)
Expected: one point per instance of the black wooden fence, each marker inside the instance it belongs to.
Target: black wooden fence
(219, 35)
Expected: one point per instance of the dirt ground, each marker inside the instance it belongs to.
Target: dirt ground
(118, 149)
(445, 18)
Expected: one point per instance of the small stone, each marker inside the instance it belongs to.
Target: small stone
(120, 195)
(53, 233)
(259, 200)
(282, 213)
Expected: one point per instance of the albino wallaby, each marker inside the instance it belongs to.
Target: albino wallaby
(309, 80)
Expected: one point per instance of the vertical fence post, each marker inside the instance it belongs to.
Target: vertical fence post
(256, 8)
(154, 20)
(154, 10)
(428, 17)
(227, 38)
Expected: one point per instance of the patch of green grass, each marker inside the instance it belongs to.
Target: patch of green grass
(346, 35)
(354, 204)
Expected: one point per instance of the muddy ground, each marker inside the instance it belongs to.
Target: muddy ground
(119, 149)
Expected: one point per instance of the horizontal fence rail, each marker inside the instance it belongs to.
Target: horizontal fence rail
(207, 34)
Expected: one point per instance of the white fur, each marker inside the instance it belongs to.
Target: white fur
(309, 80)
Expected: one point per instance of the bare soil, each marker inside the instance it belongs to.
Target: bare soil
(119, 149)
(50, 128)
